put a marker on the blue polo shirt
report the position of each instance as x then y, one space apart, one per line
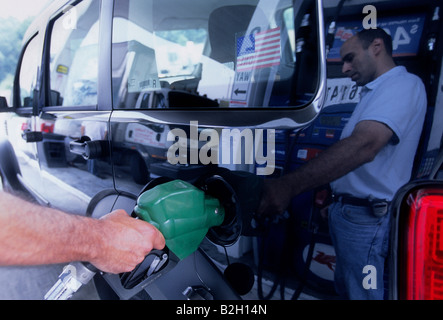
397 99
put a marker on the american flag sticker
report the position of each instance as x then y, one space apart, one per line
259 50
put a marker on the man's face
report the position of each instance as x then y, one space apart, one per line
358 63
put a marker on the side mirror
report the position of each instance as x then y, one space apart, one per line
3 105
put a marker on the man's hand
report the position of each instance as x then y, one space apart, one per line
34 235
124 242
367 139
276 196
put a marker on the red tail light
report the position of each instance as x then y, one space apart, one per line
47 128
423 248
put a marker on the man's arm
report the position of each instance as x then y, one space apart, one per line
35 235
367 139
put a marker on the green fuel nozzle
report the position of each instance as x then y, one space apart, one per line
182 212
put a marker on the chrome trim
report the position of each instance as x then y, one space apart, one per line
32 191
320 98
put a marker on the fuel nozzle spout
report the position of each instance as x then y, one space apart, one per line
183 214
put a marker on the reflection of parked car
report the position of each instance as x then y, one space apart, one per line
137 146
163 98
135 70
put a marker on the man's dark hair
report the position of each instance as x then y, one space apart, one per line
367 36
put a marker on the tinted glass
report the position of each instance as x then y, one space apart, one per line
74 56
203 53
29 71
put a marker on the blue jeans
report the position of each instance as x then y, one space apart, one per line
361 243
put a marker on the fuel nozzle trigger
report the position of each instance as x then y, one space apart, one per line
156 264
153 263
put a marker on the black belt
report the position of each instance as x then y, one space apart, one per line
379 207
353 201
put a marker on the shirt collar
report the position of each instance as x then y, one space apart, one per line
375 83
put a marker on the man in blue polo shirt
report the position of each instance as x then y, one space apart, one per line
372 160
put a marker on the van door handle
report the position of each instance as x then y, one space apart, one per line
89 149
32 136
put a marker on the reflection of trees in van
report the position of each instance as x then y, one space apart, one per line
11 35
